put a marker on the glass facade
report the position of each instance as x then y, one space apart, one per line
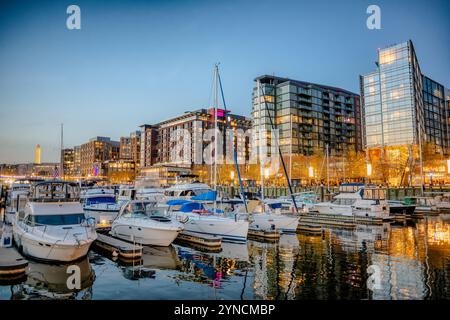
404 106
435 114
392 106
308 116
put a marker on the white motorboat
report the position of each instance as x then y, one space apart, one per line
54 227
16 200
142 221
100 204
186 191
355 199
198 219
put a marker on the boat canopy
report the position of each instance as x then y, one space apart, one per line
191 206
207 196
177 202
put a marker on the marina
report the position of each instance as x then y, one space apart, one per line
297 266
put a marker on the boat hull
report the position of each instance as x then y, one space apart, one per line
228 229
144 235
44 251
282 223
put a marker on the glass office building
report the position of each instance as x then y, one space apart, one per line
400 105
308 116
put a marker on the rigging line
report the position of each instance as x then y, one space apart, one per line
279 150
232 145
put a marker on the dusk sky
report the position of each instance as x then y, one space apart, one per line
136 62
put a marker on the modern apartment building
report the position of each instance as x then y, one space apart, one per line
125 148
95 152
68 158
309 117
77 160
182 140
405 107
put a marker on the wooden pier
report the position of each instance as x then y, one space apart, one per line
12 264
263 235
203 242
118 247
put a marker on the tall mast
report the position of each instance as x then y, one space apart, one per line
261 164
290 151
216 104
62 155
328 168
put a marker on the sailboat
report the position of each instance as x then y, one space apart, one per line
196 216
264 219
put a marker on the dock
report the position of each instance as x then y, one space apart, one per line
340 219
12 264
321 222
118 247
200 241
309 227
263 235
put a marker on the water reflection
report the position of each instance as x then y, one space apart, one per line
413 260
45 281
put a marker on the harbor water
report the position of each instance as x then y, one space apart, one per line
409 260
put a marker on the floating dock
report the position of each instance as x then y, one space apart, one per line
321 222
264 235
309 227
118 247
200 241
335 218
12 264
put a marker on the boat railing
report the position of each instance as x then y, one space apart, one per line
31 228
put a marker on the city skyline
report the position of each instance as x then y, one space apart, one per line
111 80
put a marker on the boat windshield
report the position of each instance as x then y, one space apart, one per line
344 202
103 199
57 220
140 210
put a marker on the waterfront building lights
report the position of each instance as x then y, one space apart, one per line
266 173
311 172
448 166
369 169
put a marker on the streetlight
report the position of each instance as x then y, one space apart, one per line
311 172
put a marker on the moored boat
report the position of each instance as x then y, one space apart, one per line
54 226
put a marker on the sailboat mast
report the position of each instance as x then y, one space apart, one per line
290 152
216 103
328 167
261 164
61 160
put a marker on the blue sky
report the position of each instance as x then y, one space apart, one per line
136 62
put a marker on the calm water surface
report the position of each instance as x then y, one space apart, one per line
413 261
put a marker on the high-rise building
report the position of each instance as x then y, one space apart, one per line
125 148
149 146
95 152
68 157
405 107
136 147
77 160
308 116
181 141
37 155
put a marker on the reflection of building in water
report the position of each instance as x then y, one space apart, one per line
207 268
45 281
274 268
416 265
